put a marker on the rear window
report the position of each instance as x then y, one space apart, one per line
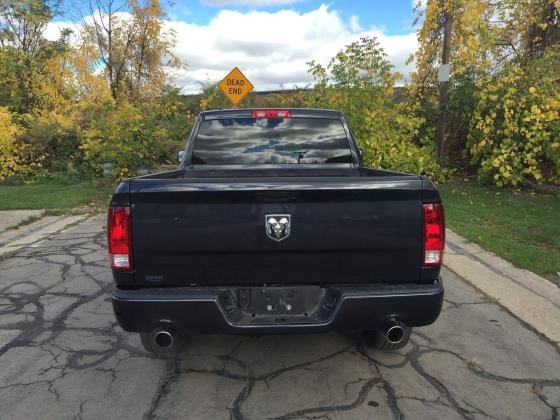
245 141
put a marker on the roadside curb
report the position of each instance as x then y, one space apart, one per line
531 298
11 219
13 240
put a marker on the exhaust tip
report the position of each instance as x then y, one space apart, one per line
395 334
163 339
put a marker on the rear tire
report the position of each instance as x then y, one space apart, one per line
377 339
150 345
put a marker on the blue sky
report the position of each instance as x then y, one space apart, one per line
271 41
395 17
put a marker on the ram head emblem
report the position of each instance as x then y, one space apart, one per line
277 226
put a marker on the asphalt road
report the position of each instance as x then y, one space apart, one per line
63 356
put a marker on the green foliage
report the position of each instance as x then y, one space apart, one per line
460 107
213 98
65 114
24 52
173 113
120 135
174 120
515 130
294 98
131 137
388 143
55 137
359 78
502 111
359 81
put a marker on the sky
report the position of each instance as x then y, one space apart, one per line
272 40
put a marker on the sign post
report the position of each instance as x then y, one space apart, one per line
235 86
443 78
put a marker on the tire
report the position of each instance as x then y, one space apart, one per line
377 339
150 346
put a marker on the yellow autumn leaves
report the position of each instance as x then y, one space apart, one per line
515 130
14 157
503 111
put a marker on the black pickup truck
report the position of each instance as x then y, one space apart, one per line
271 224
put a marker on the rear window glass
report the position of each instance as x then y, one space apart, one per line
245 141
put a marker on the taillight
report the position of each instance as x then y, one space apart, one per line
434 234
271 113
118 237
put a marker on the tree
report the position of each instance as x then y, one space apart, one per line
129 40
500 116
471 32
526 29
471 35
357 78
360 82
10 156
24 51
515 127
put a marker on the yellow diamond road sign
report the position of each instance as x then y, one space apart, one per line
235 86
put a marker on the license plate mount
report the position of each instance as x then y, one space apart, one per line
280 300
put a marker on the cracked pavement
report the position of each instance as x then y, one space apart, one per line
62 355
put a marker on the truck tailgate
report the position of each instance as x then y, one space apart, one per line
212 231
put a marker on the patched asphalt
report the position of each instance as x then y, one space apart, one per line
63 356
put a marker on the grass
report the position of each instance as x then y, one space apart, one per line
521 226
56 196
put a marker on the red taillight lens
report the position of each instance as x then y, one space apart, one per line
271 113
118 237
434 234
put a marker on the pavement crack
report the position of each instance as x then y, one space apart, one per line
236 411
414 357
80 410
361 397
169 376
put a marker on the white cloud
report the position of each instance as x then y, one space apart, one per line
355 24
272 48
254 3
54 29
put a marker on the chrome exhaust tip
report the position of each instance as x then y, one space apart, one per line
394 334
164 339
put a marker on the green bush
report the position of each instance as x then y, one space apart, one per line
131 137
18 161
359 81
388 143
55 137
119 135
174 121
515 130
